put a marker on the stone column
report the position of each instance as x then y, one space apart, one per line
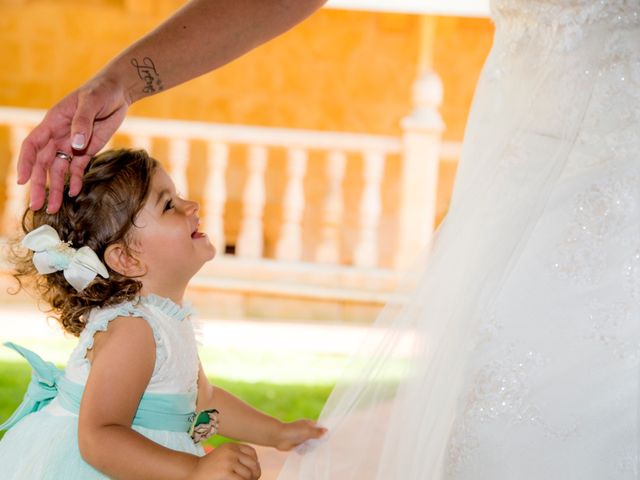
421 151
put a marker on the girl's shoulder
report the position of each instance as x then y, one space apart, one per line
171 326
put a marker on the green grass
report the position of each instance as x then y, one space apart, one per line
286 402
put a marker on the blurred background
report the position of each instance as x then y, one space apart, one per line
322 162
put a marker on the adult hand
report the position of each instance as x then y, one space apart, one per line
200 37
230 461
80 124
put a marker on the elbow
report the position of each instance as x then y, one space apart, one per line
89 447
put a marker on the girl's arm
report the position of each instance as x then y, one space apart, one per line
198 38
242 422
122 361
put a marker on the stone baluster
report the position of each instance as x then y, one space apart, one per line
419 174
422 140
142 142
16 199
366 250
178 161
215 193
250 239
329 247
289 246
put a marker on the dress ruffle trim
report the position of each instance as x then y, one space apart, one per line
168 306
104 316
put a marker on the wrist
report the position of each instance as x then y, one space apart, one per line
277 433
121 76
191 467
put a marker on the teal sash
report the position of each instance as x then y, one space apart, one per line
157 411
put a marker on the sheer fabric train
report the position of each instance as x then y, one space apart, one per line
517 341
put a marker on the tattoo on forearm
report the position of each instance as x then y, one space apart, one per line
148 74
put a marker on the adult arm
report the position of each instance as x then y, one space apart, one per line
202 36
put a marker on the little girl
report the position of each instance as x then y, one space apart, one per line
134 402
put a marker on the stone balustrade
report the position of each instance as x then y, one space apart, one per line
372 152
279 199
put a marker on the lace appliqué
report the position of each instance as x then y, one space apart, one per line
607 326
600 215
501 392
561 25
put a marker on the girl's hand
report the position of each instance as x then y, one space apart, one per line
293 434
230 461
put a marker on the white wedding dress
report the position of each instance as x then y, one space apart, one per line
518 340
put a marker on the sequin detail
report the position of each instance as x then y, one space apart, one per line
561 25
501 392
600 215
609 326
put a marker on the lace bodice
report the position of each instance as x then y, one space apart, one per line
566 21
176 367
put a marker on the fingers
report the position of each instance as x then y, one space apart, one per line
78 164
43 159
249 463
31 145
247 450
82 122
243 472
57 171
238 460
26 160
318 432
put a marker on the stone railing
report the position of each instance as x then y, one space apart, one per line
395 180
290 201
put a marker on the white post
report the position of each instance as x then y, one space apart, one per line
366 251
141 142
329 248
422 140
15 203
289 246
250 240
215 193
419 176
178 161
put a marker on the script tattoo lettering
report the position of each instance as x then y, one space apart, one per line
148 74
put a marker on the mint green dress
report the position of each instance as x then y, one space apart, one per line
41 441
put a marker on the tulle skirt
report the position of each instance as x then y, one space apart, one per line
44 446
515 352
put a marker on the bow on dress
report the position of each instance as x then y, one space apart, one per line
41 390
79 267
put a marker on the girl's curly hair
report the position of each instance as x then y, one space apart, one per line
115 187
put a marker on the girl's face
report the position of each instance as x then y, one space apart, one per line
166 239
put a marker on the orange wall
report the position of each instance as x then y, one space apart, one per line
340 70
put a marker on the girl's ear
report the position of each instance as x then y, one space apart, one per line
118 258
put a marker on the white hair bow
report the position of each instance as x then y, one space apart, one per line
80 266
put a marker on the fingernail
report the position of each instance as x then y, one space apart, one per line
78 141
